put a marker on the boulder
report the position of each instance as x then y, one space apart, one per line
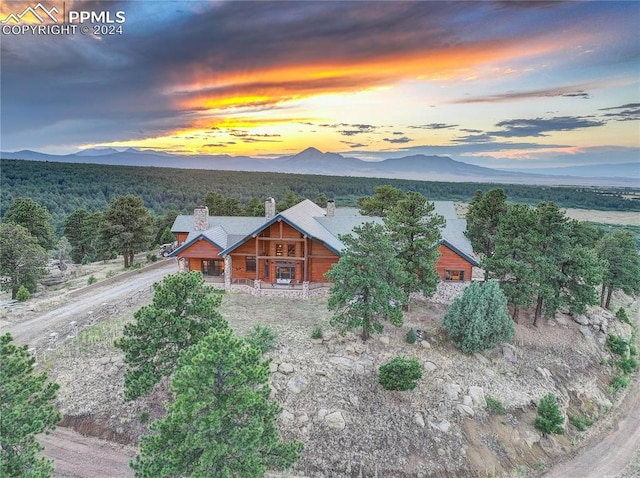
335 420
430 367
465 410
285 368
581 319
287 418
452 390
443 426
477 395
296 384
418 419
531 437
586 331
509 353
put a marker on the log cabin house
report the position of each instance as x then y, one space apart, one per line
295 247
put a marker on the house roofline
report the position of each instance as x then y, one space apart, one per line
472 260
186 245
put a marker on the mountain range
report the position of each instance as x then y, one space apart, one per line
313 161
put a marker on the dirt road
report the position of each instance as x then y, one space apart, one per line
38 327
78 456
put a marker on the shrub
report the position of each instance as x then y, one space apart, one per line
400 374
151 257
617 383
549 419
580 422
262 337
144 417
622 316
411 336
23 294
316 333
479 320
617 345
627 365
91 280
495 406
86 260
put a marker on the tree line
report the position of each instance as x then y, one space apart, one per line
63 188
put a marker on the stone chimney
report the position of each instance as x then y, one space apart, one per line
331 208
269 208
201 218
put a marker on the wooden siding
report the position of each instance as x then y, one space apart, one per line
181 237
201 249
451 260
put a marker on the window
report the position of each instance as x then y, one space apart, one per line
453 275
279 249
291 250
285 271
250 263
212 267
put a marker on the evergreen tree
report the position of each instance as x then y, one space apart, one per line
367 282
290 200
27 408
167 236
22 260
622 270
549 419
34 218
220 205
415 232
515 256
483 216
222 423
479 320
75 232
321 200
127 227
254 208
383 199
163 223
183 310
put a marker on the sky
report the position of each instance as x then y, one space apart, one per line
500 84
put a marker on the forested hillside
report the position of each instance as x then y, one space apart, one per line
63 187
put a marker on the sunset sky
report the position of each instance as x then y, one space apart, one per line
501 84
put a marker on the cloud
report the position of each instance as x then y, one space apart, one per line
359 129
404 139
434 126
539 127
352 145
567 92
628 112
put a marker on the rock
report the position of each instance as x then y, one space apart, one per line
467 400
335 420
354 400
544 372
285 368
418 419
317 341
287 418
296 384
465 410
586 331
303 418
581 319
561 319
531 437
443 426
342 362
509 353
104 360
322 413
384 339
477 395
273 367
430 367
425 344
452 390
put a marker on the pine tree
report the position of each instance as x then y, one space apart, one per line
622 270
127 227
415 232
367 282
22 260
383 199
75 232
34 218
479 320
549 419
223 422
27 408
183 310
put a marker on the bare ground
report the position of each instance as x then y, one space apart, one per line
293 320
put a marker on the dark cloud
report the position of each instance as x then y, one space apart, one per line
359 129
352 145
539 127
402 140
568 92
434 126
628 112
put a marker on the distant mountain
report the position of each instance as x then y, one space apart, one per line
313 161
619 170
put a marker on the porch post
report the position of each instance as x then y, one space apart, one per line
305 276
227 273
257 260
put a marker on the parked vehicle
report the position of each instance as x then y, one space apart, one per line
168 248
